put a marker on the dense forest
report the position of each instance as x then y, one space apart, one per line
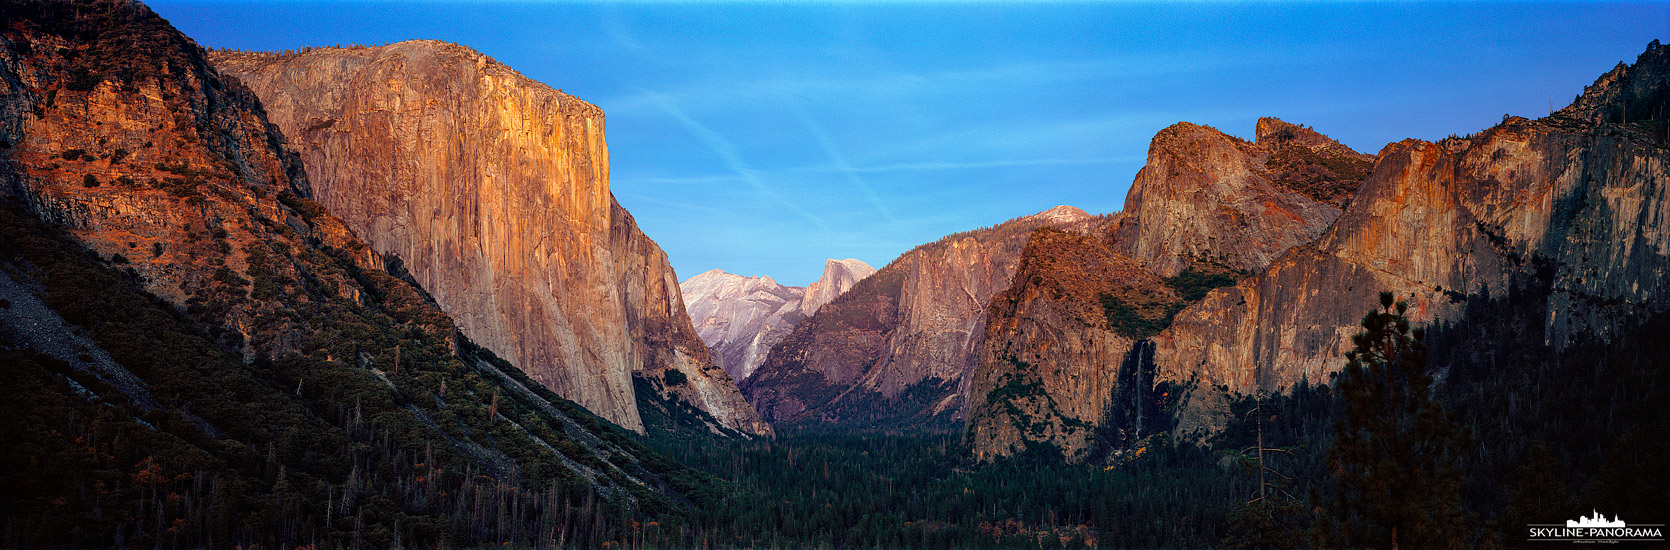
1554 435
184 444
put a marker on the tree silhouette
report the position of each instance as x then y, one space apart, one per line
1396 451
1268 520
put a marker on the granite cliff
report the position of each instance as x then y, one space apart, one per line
898 348
1070 336
838 277
180 316
741 318
145 153
1574 203
493 191
1577 200
1052 355
1205 195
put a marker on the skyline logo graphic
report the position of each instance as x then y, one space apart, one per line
1597 521
1596 528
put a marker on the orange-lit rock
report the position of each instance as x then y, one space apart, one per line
1055 365
494 191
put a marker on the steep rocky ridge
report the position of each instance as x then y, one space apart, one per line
898 348
1206 195
144 152
1052 354
838 277
1575 202
1069 337
493 190
1578 198
741 318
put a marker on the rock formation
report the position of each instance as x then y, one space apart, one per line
493 190
146 153
1205 195
1578 198
741 318
158 234
898 348
1052 355
1069 336
1576 201
838 277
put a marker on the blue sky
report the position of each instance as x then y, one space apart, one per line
761 138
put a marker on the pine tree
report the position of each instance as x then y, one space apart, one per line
1268 520
1396 451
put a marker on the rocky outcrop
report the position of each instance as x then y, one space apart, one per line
1578 199
838 277
741 318
493 190
1064 215
1300 159
1066 359
900 346
1052 355
150 157
1575 203
1205 195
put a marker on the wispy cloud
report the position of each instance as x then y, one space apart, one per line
685 206
733 160
722 86
980 164
839 161
619 31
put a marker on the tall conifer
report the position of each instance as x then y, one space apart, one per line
1396 451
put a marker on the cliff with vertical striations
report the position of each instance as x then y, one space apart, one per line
493 190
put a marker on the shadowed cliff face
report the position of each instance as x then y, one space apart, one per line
741 318
898 348
1061 343
494 192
